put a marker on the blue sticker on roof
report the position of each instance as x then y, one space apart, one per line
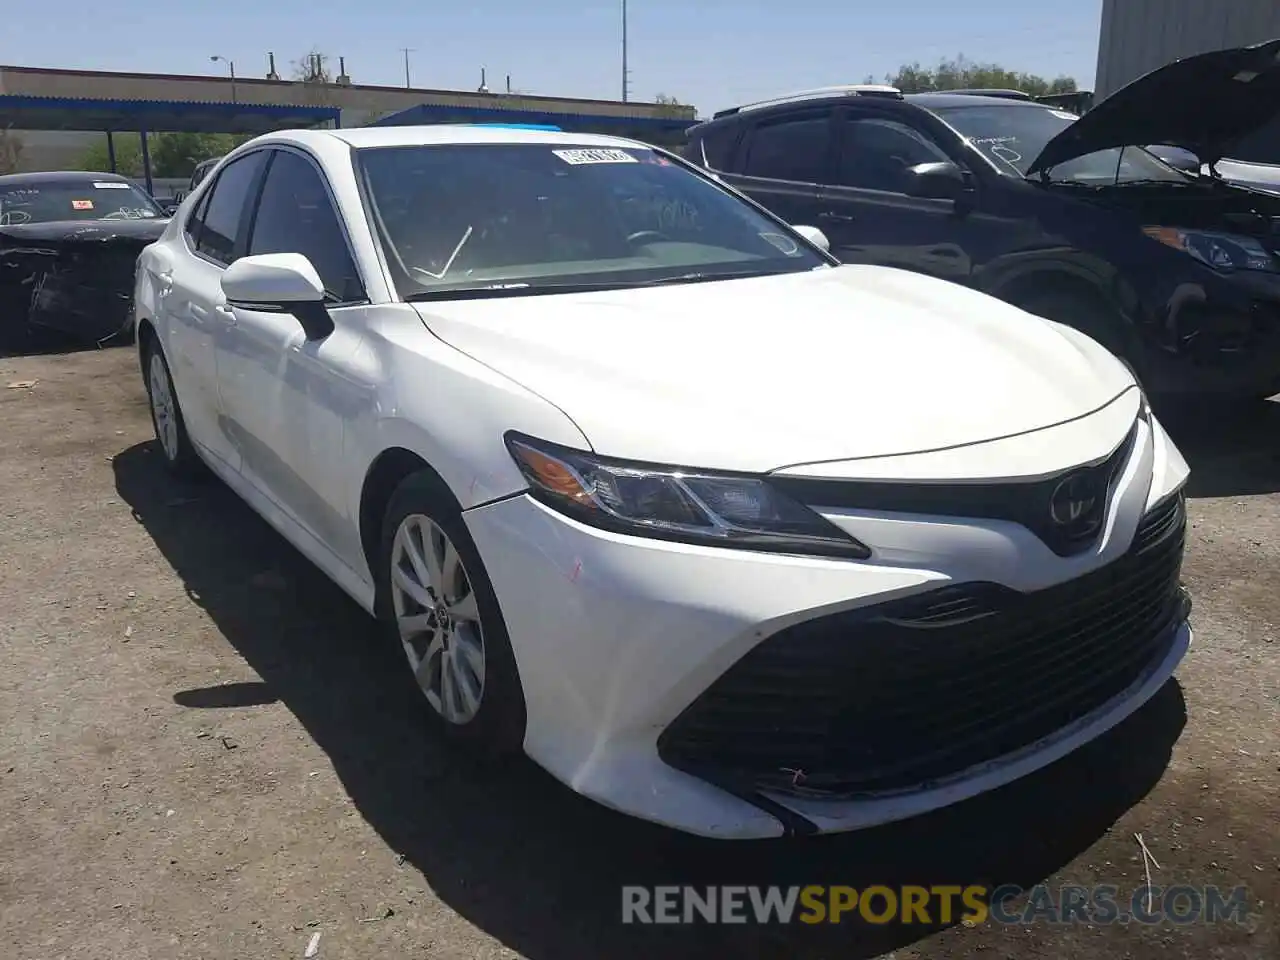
519 126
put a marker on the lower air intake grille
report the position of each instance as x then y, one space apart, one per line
923 688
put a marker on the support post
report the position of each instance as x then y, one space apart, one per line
111 150
146 163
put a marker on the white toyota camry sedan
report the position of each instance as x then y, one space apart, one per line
642 482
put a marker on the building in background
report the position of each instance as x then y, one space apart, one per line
662 123
1138 36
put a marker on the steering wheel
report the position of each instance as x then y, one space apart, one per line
647 235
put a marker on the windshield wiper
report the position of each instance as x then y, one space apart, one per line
1150 181
525 289
699 277
509 289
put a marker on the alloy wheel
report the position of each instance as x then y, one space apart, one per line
438 619
163 409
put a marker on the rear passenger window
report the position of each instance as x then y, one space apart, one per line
713 149
793 149
296 215
220 223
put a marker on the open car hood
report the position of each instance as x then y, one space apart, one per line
1202 104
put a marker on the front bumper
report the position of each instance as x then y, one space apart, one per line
619 640
1217 337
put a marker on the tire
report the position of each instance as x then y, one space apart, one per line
180 456
449 628
1089 314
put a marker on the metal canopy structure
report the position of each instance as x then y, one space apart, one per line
23 112
428 113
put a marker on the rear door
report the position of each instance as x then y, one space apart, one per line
782 160
213 238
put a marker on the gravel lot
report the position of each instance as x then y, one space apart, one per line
204 753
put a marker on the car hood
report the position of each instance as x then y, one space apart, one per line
87 231
1202 104
756 374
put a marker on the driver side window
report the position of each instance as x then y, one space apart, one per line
296 215
877 152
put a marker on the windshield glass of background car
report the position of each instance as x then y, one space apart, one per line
478 215
46 201
1013 136
1258 146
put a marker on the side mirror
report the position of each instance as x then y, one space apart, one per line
1176 157
940 180
279 283
170 207
814 236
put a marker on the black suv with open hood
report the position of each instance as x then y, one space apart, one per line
1068 217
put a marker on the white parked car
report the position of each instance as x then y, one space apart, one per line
723 534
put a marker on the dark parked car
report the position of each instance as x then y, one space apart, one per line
68 246
1063 216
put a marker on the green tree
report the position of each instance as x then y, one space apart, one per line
672 107
172 154
963 73
128 155
176 154
10 152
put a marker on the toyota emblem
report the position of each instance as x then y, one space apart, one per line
1075 505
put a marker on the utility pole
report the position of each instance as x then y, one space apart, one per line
626 78
406 51
231 65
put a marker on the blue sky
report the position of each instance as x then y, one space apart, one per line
711 53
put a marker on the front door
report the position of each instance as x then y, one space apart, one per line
870 217
284 395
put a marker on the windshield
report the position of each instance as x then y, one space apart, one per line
1013 136
46 201
527 216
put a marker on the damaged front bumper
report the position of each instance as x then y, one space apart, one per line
72 279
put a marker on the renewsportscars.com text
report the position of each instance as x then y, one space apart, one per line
973 904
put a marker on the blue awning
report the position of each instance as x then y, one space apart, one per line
23 112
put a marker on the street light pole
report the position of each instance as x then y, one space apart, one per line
231 65
625 79
406 51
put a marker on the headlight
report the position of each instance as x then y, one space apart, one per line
670 503
1222 251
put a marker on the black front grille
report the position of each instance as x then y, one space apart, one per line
1029 503
923 688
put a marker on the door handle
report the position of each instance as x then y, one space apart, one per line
832 215
197 311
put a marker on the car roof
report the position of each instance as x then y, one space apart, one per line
940 101
455 134
52 176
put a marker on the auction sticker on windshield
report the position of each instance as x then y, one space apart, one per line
595 156
81 204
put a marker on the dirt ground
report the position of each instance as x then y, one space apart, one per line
205 754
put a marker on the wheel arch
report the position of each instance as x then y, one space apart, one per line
387 471
145 336
1026 288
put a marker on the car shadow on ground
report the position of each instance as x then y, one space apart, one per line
1232 449
522 857
46 343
